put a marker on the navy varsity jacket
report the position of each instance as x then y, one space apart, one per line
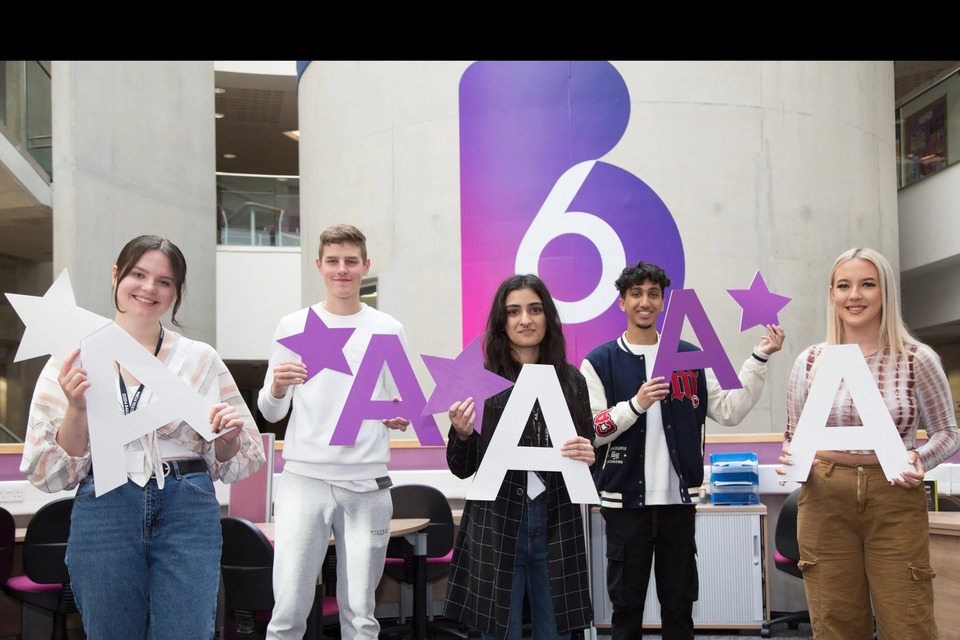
684 410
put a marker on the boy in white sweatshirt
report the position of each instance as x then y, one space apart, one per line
327 489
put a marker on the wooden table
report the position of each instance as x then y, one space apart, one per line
414 530
398 527
945 559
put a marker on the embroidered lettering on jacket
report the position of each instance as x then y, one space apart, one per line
604 424
616 455
684 385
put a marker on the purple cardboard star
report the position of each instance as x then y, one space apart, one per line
319 346
760 307
461 378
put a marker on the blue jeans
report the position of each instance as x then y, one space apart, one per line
145 563
530 576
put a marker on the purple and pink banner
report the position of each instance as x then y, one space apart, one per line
536 198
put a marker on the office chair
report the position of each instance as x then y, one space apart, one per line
45 583
948 502
8 534
246 566
786 555
421 501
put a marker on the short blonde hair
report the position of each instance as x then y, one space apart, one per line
893 333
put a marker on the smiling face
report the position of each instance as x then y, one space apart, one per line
343 269
147 290
643 304
526 324
856 296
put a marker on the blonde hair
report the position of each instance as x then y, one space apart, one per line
893 333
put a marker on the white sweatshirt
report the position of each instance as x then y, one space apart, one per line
317 404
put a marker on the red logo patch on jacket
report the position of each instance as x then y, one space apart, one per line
684 385
603 423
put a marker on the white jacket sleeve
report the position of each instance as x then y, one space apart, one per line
608 422
730 406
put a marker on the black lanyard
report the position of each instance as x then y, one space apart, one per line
128 404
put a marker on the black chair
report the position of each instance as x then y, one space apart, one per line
421 501
948 502
8 538
45 583
786 555
246 566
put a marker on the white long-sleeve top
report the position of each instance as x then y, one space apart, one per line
316 405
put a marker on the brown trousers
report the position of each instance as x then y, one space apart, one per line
864 553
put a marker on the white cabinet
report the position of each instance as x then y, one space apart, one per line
731 544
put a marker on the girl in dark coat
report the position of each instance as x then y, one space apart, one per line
529 542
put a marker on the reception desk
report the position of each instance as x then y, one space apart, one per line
945 559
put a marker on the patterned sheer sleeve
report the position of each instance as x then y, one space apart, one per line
797 392
251 456
45 463
935 403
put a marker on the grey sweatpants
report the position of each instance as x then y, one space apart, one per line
307 510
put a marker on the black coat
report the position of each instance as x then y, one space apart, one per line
481 572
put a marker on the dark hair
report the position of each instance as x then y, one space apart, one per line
340 233
637 274
134 250
498 351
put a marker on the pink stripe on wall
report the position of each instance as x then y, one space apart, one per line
432 458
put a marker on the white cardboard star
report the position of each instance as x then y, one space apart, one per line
55 325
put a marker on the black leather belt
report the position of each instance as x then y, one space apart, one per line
183 467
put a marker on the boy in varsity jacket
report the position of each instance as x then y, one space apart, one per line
650 438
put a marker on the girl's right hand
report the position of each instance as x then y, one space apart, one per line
786 461
462 416
73 380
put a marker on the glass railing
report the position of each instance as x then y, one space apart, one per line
7 436
256 210
928 131
25 109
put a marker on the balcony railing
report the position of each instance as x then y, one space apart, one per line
25 109
928 131
261 211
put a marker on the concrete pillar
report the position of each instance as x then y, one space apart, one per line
135 154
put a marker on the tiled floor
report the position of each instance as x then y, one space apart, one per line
781 631
803 632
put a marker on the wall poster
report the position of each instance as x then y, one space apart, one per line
925 140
